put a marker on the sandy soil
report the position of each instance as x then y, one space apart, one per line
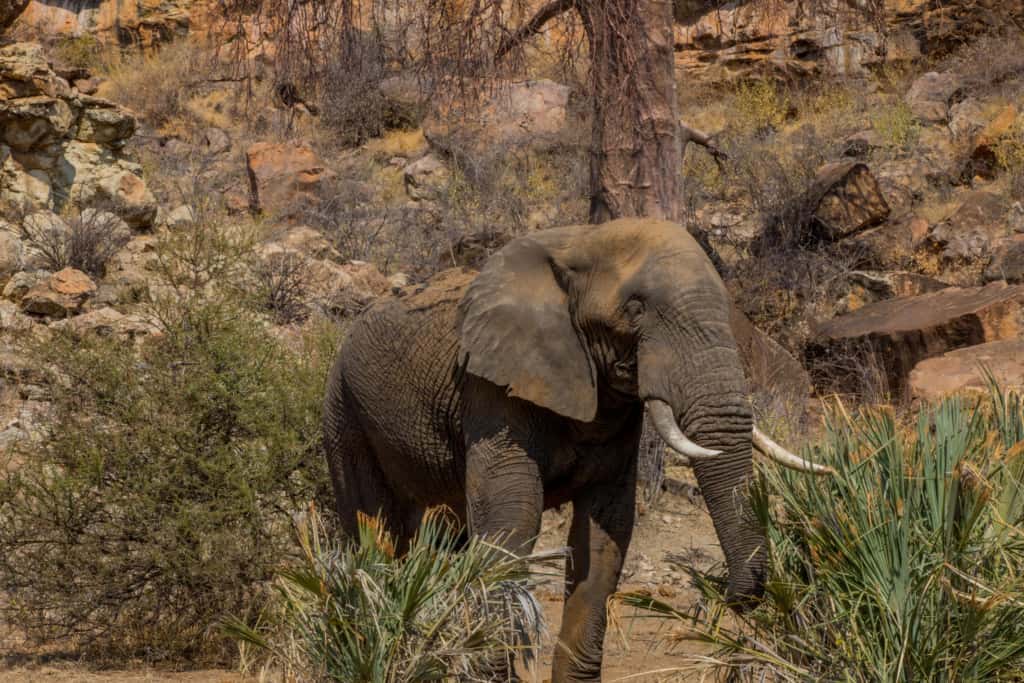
677 527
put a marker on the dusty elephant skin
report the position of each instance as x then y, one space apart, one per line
523 388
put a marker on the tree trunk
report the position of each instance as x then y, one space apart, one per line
636 155
636 152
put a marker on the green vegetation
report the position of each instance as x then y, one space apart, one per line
761 105
82 52
1010 156
163 493
898 126
447 609
905 566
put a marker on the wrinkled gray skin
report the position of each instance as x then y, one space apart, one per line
525 391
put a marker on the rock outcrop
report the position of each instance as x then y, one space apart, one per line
133 22
967 368
281 175
897 334
58 146
719 41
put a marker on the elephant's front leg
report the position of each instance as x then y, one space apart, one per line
602 526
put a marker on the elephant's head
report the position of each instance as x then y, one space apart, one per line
630 309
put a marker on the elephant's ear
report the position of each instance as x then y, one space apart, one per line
515 328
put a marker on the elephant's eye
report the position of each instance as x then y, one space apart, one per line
634 309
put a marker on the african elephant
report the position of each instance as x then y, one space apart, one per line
523 387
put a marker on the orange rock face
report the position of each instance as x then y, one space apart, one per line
282 174
139 22
966 368
60 295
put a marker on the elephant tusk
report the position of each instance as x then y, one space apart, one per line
665 423
784 457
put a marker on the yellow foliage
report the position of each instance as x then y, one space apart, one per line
405 143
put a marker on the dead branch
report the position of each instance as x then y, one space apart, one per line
691 134
533 26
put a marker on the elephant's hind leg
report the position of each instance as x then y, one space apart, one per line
359 484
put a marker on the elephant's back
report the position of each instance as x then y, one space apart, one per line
399 362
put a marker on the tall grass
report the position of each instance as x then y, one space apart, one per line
905 566
448 608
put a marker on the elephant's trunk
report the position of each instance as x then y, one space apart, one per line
707 393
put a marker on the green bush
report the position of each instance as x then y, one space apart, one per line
898 126
907 565
447 609
163 495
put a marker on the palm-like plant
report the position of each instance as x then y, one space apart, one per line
449 608
907 565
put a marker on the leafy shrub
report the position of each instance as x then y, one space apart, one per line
898 126
761 105
86 241
1010 157
904 566
81 51
447 609
162 497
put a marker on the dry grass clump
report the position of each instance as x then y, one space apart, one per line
157 84
906 565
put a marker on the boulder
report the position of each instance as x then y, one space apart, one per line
180 217
215 141
426 178
12 319
25 72
21 283
966 119
968 368
890 246
104 122
310 242
32 122
897 334
983 161
101 322
848 200
969 233
12 253
283 174
1007 261
931 95
866 287
60 295
108 322
520 115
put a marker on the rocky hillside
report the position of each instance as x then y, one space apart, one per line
869 221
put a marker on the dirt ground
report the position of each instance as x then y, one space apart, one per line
678 526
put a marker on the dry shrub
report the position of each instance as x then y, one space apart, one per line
282 282
85 240
990 64
157 83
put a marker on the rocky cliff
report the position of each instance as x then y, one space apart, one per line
721 40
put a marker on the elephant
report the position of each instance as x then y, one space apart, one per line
523 387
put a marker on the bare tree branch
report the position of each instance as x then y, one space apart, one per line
691 134
533 26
